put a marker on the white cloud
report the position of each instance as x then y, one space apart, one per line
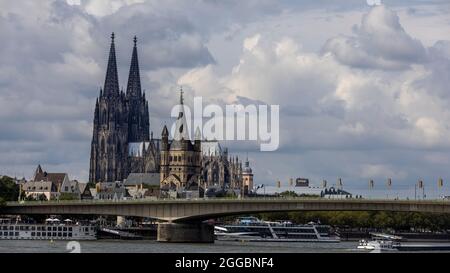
379 42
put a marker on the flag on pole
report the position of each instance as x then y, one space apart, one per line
324 183
420 184
340 182
279 184
389 182
441 182
371 184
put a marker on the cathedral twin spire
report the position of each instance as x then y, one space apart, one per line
111 87
134 78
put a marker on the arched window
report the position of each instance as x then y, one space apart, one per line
104 119
103 146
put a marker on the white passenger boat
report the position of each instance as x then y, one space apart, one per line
255 230
380 242
53 229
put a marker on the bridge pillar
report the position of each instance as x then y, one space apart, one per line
185 233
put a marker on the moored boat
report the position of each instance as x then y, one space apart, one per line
53 229
256 230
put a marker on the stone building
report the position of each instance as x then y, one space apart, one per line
247 178
180 158
121 142
218 169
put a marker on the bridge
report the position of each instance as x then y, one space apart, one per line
187 214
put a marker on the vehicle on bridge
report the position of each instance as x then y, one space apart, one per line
256 230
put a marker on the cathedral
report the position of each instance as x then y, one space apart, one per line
122 143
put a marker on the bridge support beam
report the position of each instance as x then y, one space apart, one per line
185 233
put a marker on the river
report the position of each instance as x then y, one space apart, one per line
148 246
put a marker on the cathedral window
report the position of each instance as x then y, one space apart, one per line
102 146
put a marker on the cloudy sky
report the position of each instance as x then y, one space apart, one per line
364 91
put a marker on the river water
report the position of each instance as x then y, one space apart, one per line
148 246
151 246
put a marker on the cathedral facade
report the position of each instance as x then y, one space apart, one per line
122 143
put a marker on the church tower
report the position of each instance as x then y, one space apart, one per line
138 119
247 178
110 131
180 159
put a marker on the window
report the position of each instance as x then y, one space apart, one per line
66 188
33 234
38 234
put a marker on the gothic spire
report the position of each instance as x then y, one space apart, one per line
134 79
111 87
181 131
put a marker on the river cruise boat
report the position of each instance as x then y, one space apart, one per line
53 229
256 230
381 242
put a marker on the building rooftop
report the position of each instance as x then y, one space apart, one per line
142 178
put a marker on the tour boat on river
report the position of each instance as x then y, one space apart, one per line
53 229
255 230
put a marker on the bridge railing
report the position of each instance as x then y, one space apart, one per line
224 200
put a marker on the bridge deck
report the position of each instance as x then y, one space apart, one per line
199 209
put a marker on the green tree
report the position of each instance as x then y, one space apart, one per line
9 191
68 196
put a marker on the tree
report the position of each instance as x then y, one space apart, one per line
9 191
68 196
42 197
